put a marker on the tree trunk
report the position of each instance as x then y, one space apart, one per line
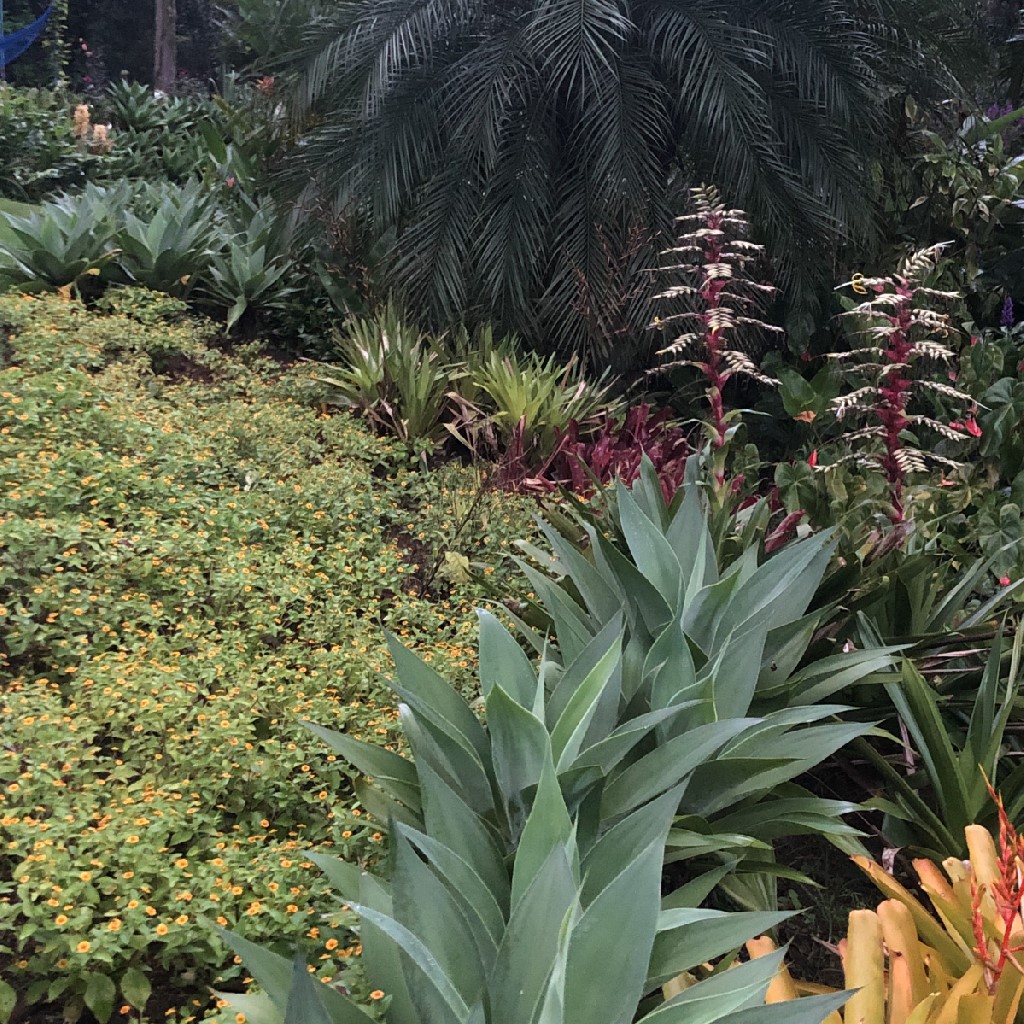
165 45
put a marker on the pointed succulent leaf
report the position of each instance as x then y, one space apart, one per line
615 931
503 662
427 908
451 821
466 885
722 995
600 598
304 1005
666 766
653 555
520 745
624 842
547 828
273 973
689 937
574 721
423 688
429 985
529 951
608 753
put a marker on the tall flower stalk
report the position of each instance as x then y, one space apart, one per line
902 330
721 304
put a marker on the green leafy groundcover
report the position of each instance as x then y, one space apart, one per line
192 559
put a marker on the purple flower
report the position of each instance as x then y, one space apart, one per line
1006 318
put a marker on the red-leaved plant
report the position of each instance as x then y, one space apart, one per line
583 462
617 449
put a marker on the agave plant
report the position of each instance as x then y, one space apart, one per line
730 634
525 867
60 242
168 244
250 272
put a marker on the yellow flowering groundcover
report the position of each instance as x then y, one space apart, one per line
193 558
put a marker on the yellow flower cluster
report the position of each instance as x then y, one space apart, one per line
189 569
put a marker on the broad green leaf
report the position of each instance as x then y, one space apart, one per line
601 599
689 538
100 993
425 906
345 876
436 744
422 688
452 822
570 621
8 999
722 995
689 937
530 947
616 932
607 754
136 988
624 842
572 725
731 677
428 974
257 1009
581 667
666 766
782 588
644 602
808 1010
466 885
653 555
273 973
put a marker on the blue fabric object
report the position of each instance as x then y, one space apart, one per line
14 45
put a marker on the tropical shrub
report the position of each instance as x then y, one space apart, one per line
928 808
158 138
616 449
39 152
394 374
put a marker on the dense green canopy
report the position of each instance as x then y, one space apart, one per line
530 156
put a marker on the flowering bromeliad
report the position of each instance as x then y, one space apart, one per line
902 330
713 255
1006 891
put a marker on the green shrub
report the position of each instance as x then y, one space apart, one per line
39 153
192 558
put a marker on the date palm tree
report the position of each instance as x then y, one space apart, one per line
529 157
